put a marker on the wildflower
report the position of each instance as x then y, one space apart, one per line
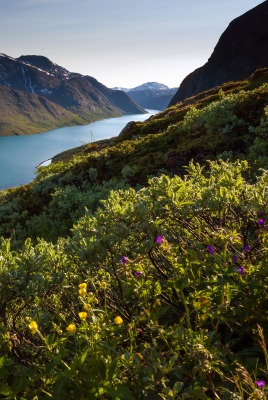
235 258
139 330
103 285
124 260
260 383
118 320
82 289
246 248
86 307
159 239
138 273
240 270
211 249
71 328
82 315
33 326
261 221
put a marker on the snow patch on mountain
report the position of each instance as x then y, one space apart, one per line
46 91
151 86
152 95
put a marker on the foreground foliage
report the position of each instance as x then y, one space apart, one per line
160 294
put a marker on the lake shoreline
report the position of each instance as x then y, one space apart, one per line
20 156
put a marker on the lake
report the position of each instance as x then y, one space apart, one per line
20 155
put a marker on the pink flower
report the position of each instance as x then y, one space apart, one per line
260 383
211 249
246 248
159 239
124 260
240 270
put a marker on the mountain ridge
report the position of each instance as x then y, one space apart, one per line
78 94
151 95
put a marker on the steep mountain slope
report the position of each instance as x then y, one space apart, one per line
151 95
81 95
29 113
241 49
222 121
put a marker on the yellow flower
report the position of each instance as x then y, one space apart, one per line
82 315
82 289
33 326
83 285
82 292
71 328
118 320
86 307
104 285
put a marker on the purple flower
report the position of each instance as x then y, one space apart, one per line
240 270
246 248
211 249
260 383
261 221
159 239
138 273
124 260
235 258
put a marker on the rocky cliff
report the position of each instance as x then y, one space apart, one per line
241 49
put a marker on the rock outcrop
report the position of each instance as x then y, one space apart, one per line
241 49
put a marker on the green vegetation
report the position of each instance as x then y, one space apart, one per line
128 271
23 113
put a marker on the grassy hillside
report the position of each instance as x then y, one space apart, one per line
128 271
219 122
229 122
34 114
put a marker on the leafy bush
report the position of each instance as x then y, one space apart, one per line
161 294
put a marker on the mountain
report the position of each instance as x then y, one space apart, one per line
241 49
151 95
29 113
78 94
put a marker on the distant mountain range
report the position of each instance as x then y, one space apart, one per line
241 49
38 94
151 95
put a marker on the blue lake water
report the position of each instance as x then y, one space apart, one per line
20 155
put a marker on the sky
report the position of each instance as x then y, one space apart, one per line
121 43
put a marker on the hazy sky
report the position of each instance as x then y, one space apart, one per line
119 42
